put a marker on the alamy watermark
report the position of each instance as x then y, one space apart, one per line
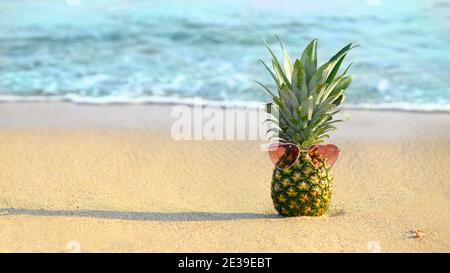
73 2
204 122
373 2
73 247
374 247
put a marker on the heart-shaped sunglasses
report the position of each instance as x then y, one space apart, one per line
284 155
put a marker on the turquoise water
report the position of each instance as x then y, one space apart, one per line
137 51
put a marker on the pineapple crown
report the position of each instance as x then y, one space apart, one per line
308 97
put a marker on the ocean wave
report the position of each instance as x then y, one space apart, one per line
114 100
170 51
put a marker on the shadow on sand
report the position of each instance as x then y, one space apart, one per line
140 216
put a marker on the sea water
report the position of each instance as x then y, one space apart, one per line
104 51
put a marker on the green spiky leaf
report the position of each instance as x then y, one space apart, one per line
267 89
271 73
287 64
298 81
309 59
308 96
277 65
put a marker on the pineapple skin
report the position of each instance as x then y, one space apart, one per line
303 189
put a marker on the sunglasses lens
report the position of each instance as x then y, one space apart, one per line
329 152
283 155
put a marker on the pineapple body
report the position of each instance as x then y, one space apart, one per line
304 111
303 189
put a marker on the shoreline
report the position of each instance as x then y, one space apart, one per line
363 125
390 107
112 179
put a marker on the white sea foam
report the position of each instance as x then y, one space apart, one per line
108 100
169 51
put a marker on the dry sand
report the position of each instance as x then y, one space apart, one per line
110 178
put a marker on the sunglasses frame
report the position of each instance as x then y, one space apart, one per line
298 156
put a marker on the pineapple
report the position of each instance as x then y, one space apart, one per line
303 110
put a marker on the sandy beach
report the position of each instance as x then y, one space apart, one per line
110 178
